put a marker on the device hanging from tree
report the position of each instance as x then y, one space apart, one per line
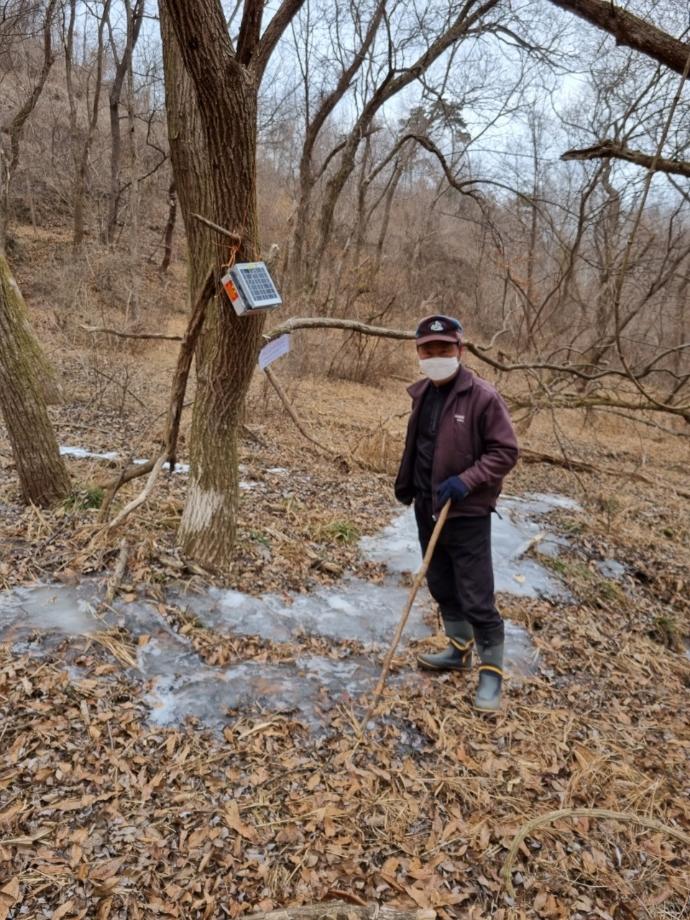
250 288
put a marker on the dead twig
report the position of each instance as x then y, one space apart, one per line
118 574
567 463
542 820
139 500
234 237
342 910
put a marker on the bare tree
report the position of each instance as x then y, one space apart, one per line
212 93
315 121
83 137
471 16
12 130
123 63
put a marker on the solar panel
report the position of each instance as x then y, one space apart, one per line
255 284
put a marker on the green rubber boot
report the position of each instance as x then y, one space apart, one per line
458 655
488 697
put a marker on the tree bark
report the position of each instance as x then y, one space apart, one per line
43 476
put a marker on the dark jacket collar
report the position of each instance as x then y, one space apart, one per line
463 381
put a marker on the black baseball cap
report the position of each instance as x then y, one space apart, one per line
439 328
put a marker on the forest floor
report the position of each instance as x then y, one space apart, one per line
105 814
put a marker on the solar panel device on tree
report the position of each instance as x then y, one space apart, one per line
250 288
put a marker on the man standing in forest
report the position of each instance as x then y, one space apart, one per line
460 444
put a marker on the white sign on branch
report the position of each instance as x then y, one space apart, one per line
274 350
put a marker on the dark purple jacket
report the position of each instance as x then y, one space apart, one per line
475 440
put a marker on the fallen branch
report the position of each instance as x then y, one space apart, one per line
623 816
184 364
103 330
580 466
339 910
118 573
480 352
536 456
177 391
598 402
273 380
141 497
324 322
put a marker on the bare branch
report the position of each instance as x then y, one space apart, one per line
235 237
274 30
250 30
631 31
609 149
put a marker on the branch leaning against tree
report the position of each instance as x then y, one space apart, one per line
177 394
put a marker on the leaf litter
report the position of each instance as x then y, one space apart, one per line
105 815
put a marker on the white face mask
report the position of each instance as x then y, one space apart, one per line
437 369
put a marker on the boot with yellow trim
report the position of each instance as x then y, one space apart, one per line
488 697
458 655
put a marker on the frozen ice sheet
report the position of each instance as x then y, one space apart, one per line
352 609
181 685
80 453
513 532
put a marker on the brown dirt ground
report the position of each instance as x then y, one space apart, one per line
103 816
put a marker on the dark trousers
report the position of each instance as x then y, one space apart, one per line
461 575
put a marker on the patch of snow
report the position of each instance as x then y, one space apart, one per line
80 453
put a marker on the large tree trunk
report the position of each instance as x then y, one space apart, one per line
211 100
43 477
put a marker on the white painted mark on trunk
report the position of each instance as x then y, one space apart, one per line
201 505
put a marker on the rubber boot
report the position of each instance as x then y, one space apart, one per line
458 655
488 697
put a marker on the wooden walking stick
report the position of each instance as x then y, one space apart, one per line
419 578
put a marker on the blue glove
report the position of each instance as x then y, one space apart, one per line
453 489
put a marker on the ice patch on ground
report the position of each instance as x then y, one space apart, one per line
81 453
179 684
514 530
